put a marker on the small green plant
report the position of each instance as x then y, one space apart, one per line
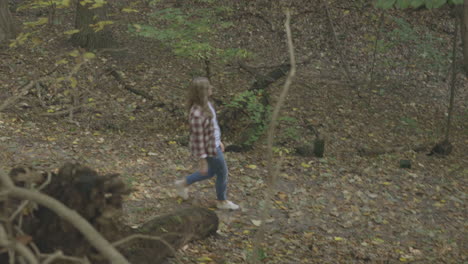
261 254
255 115
189 33
409 122
412 124
290 130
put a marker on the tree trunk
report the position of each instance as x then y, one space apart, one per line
464 35
7 27
99 198
88 37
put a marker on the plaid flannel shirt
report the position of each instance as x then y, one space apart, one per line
202 138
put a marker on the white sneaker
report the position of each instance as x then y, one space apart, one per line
227 205
181 189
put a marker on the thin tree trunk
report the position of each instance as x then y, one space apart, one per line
7 27
338 49
453 82
87 37
464 35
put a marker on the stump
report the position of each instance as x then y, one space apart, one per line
99 198
405 164
315 150
442 148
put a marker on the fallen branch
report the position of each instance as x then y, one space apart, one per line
74 109
11 100
120 80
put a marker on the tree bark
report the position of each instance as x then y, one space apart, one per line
177 229
7 26
464 35
87 37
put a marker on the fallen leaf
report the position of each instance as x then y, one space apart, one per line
378 241
256 222
203 259
282 195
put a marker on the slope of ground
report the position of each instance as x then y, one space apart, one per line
343 208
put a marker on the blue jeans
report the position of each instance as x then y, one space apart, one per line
216 166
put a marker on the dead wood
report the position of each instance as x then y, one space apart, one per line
127 87
175 229
99 199
376 151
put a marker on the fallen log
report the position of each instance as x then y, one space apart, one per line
99 199
173 231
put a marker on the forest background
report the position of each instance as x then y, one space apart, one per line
376 90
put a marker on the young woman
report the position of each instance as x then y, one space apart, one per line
205 144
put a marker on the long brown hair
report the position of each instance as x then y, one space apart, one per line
198 95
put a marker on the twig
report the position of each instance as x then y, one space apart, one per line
272 170
31 243
52 257
88 231
20 248
25 203
374 55
65 112
24 90
59 255
336 44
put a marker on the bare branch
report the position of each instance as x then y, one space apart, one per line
25 203
344 62
88 231
272 170
52 257
49 258
23 91
18 247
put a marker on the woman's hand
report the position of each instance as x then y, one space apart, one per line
203 164
221 145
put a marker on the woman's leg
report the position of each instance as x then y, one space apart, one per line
221 172
197 176
216 166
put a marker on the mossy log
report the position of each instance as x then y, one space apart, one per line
99 199
176 229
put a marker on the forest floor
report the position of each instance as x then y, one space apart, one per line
347 207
